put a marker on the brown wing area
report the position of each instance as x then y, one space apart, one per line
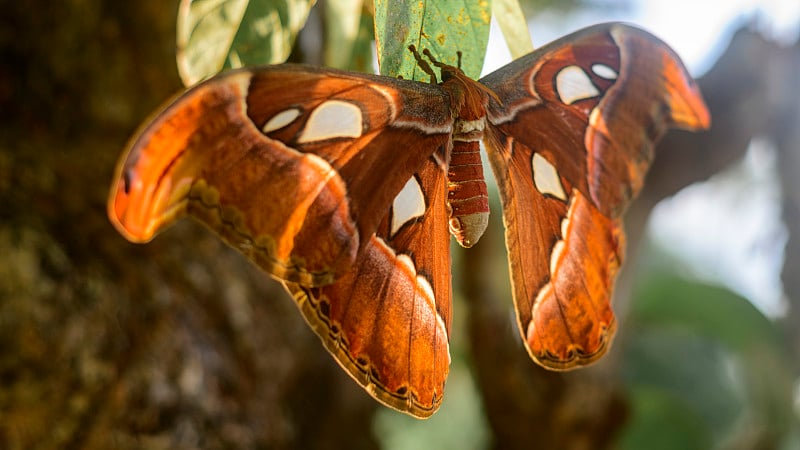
300 205
387 320
595 102
563 257
570 146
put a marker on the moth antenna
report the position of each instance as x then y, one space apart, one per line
435 62
424 64
446 69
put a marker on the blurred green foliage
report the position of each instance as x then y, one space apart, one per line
223 34
694 350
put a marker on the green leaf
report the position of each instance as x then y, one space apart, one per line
218 34
343 29
206 29
363 53
514 26
444 28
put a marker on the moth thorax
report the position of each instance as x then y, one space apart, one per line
469 130
467 197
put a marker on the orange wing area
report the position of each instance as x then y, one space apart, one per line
570 146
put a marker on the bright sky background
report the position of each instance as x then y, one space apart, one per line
698 30
726 230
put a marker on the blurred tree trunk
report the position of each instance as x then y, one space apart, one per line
184 344
181 343
785 128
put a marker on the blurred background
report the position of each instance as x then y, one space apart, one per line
182 343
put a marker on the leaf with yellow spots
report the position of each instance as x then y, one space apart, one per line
444 28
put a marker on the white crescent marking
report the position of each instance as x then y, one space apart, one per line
572 84
566 222
423 287
405 260
332 119
594 117
546 178
427 291
555 256
408 204
280 120
604 71
546 290
560 245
